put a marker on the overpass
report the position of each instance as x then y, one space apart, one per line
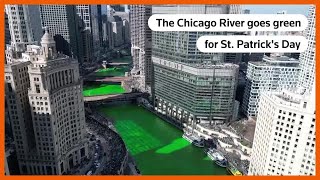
105 79
113 98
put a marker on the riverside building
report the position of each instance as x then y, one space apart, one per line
45 105
307 58
284 140
272 73
141 44
188 84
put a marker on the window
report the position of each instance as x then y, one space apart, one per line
9 87
37 88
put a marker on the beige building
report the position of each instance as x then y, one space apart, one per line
46 109
284 139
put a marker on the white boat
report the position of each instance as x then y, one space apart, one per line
193 139
217 157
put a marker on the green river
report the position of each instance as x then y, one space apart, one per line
158 147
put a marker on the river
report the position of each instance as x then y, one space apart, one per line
158 147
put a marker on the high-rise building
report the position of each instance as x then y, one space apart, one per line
96 19
284 140
67 27
7 30
91 17
45 105
307 58
107 33
126 31
23 28
189 84
117 30
141 46
274 72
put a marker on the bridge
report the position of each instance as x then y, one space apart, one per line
113 98
105 79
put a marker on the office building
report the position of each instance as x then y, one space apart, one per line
117 30
96 19
274 72
7 30
307 58
107 33
67 28
188 84
91 17
141 47
284 140
23 29
45 104
126 31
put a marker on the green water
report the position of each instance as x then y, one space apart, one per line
157 147
102 89
112 71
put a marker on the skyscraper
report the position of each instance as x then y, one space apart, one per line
7 30
23 29
96 21
141 46
270 74
284 140
307 58
68 29
189 84
46 109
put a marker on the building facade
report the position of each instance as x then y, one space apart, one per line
307 58
284 140
7 30
67 28
23 29
96 20
45 104
189 84
275 72
141 47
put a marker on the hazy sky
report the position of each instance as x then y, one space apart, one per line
273 9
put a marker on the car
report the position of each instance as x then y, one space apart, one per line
89 173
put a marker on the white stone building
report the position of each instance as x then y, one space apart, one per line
284 140
46 109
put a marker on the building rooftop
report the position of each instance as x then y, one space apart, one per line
276 60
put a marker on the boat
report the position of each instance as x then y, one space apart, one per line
196 141
231 169
217 157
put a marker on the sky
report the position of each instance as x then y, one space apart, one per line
273 9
